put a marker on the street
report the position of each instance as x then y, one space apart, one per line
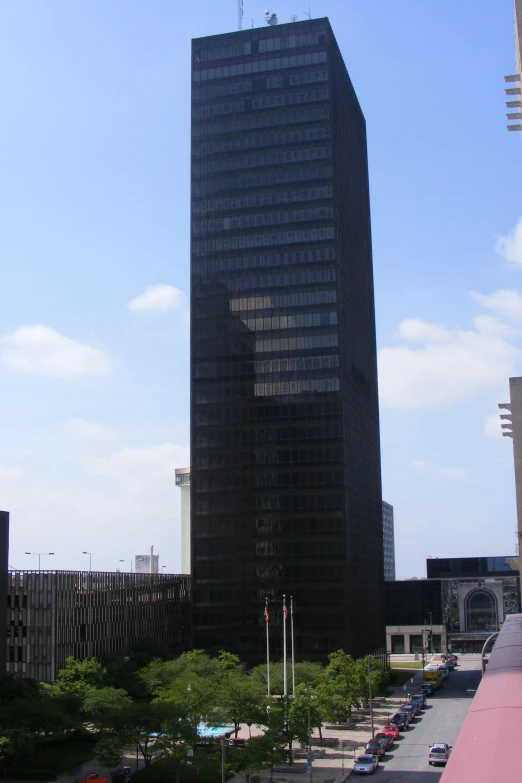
441 721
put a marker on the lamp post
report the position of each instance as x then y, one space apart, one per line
39 556
90 559
431 632
370 694
127 561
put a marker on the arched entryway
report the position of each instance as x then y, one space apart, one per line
481 610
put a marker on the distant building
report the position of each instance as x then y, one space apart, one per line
512 428
457 607
4 554
142 564
183 481
466 567
56 614
513 92
388 540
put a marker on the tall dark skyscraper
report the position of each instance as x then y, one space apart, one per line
4 554
286 484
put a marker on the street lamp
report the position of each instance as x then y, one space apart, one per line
127 561
39 555
90 558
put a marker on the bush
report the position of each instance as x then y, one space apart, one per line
25 773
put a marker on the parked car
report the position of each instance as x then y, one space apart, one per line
419 698
450 666
439 753
444 671
427 688
408 709
385 737
392 729
375 747
366 765
401 720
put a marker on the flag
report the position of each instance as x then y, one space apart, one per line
266 615
285 611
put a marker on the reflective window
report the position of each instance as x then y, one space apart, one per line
263 240
263 102
297 343
258 66
262 219
297 387
255 260
270 139
241 123
283 300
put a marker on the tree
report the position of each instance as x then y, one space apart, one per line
238 696
258 753
338 691
107 708
78 676
298 713
178 735
378 676
191 682
306 673
110 751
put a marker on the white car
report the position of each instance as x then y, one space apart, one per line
439 753
366 765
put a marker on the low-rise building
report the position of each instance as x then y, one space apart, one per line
52 615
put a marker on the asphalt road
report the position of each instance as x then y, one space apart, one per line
441 721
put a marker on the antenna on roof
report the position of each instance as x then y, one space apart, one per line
308 13
294 17
271 19
239 14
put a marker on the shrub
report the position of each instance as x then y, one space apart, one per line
24 773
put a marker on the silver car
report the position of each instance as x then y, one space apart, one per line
366 765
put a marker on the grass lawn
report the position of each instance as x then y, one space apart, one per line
406 665
57 758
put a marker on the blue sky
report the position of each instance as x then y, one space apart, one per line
94 214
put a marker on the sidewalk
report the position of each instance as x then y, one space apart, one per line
337 764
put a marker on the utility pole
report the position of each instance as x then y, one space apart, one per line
370 692
309 770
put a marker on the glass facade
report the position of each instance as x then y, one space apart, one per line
440 567
388 539
4 552
285 474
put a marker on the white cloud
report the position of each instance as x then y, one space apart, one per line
142 465
447 365
42 350
492 428
7 473
80 428
158 299
418 463
505 302
510 247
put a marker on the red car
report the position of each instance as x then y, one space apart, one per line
392 729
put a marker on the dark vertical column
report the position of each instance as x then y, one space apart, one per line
4 552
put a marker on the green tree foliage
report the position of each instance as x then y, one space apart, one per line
258 753
190 682
306 673
78 676
238 697
107 708
110 751
338 691
378 677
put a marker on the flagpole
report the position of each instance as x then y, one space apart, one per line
284 646
267 620
292 636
